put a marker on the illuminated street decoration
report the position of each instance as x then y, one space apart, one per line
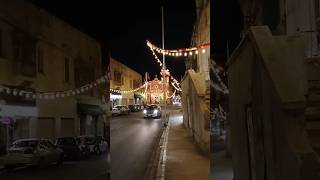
172 78
55 94
129 91
179 52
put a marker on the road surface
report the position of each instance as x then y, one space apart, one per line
92 168
132 141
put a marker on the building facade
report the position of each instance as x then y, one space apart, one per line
124 78
196 81
41 53
274 83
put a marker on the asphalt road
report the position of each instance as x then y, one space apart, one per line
92 168
132 141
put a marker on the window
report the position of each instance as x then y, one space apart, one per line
117 76
66 70
40 61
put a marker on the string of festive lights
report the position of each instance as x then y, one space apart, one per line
129 91
54 94
172 96
179 52
159 61
178 89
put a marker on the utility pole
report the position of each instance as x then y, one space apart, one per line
164 68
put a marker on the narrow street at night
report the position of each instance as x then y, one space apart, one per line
132 141
93 168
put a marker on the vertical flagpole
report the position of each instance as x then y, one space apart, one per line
163 67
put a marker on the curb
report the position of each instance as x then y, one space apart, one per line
156 168
160 175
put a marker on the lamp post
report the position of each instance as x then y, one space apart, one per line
163 68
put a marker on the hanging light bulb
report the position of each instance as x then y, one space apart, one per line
34 96
197 51
190 53
203 50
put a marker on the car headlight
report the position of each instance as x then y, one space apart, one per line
145 111
155 111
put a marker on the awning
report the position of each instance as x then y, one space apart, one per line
89 109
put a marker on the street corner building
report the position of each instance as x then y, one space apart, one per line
40 53
123 78
196 81
274 82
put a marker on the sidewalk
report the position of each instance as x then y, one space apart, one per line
184 160
221 166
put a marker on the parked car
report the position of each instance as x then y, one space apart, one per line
152 110
132 108
96 144
123 109
83 143
25 152
71 148
116 111
139 107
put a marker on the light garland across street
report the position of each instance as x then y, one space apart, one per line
172 78
54 94
129 91
179 52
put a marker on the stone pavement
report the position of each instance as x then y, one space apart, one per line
184 161
221 166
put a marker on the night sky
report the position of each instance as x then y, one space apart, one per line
124 26
225 28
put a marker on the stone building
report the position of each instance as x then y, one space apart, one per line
39 52
196 81
274 84
124 78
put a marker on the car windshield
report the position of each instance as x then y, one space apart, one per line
151 107
66 141
22 144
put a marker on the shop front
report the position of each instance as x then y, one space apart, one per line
91 119
15 123
115 99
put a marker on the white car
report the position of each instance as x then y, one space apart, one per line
116 111
34 151
152 110
123 109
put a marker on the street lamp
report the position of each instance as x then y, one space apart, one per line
163 68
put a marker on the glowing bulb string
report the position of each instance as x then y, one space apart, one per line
172 95
129 91
54 94
178 89
159 61
179 52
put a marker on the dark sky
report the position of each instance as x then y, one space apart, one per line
225 28
125 25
